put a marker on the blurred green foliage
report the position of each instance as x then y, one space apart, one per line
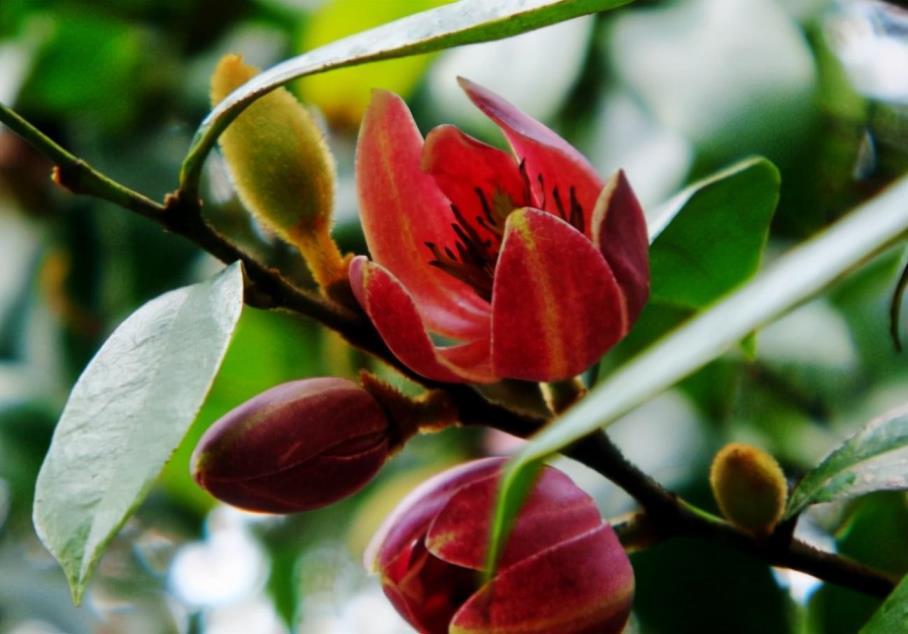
123 83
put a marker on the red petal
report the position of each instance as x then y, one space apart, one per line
582 586
545 153
619 229
556 510
394 314
411 518
461 164
556 307
401 209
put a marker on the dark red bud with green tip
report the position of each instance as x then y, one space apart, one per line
296 447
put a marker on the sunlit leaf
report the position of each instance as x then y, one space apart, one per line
126 415
873 459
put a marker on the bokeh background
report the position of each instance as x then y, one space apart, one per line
671 91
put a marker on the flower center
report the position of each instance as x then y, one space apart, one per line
474 255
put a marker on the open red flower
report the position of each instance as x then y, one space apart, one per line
528 263
563 569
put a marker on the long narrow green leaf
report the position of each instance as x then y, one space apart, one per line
873 459
127 414
793 279
463 22
892 617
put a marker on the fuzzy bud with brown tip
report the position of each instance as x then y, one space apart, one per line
282 170
749 487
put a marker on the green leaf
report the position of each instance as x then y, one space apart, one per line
125 416
794 278
873 459
464 22
892 617
710 238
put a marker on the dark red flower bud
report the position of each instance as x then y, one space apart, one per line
298 446
563 569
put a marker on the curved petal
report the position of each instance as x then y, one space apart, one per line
401 210
583 585
461 165
556 510
556 307
411 518
392 310
619 230
546 155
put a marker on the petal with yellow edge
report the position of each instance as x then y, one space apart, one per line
619 230
555 168
402 210
394 314
556 306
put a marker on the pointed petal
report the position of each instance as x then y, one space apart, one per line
461 164
555 511
545 154
393 312
411 518
556 307
584 585
402 209
619 230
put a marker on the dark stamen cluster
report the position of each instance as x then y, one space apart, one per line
474 256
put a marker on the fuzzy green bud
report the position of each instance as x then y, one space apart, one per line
749 487
282 169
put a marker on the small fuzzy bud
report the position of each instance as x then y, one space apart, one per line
298 446
749 487
282 169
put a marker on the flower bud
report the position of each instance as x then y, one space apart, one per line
298 446
562 570
749 487
282 169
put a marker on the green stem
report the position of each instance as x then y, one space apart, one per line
77 175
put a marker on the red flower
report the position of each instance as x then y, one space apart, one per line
531 265
563 569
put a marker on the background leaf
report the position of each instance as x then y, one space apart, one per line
794 278
874 459
710 237
705 241
892 617
464 22
125 416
